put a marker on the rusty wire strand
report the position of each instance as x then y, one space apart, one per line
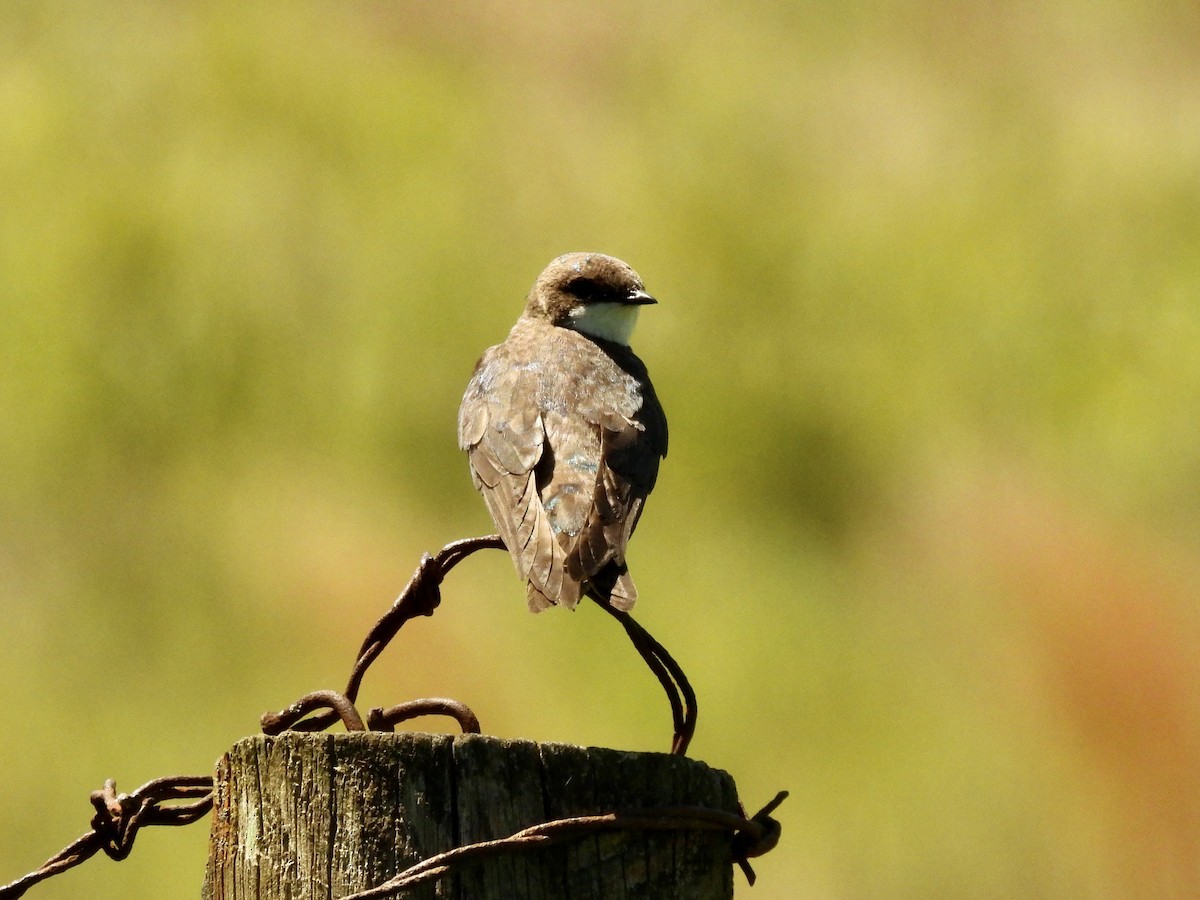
290 719
752 837
420 597
749 843
386 719
117 820
119 816
680 695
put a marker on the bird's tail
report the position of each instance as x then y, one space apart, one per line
613 584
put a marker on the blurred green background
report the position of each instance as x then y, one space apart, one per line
929 340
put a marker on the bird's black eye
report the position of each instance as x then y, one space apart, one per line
588 290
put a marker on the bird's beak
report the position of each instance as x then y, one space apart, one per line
639 298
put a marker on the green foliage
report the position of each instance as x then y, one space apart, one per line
927 339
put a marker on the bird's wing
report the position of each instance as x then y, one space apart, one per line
632 438
564 470
503 432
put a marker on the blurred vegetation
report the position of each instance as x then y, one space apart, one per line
929 341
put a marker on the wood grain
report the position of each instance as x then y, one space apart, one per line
322 816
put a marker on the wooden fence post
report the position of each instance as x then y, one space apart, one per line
327 815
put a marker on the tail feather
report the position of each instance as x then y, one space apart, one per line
614 585
536 599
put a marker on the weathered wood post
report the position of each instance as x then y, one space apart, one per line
324 816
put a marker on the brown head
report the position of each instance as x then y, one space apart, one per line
591 293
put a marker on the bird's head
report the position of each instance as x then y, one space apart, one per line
591 293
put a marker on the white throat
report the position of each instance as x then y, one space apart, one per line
607 321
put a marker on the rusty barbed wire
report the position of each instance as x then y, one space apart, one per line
420 597
751 838
378 718
387 719
117 820
680 695
119 816
292 718
760 836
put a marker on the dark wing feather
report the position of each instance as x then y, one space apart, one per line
502 431
564 437
632 432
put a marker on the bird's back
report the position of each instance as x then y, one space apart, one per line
564 436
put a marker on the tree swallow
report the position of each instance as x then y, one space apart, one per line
564 433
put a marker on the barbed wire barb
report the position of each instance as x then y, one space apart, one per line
117 820
182 799
752 837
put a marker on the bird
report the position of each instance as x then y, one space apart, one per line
564 433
